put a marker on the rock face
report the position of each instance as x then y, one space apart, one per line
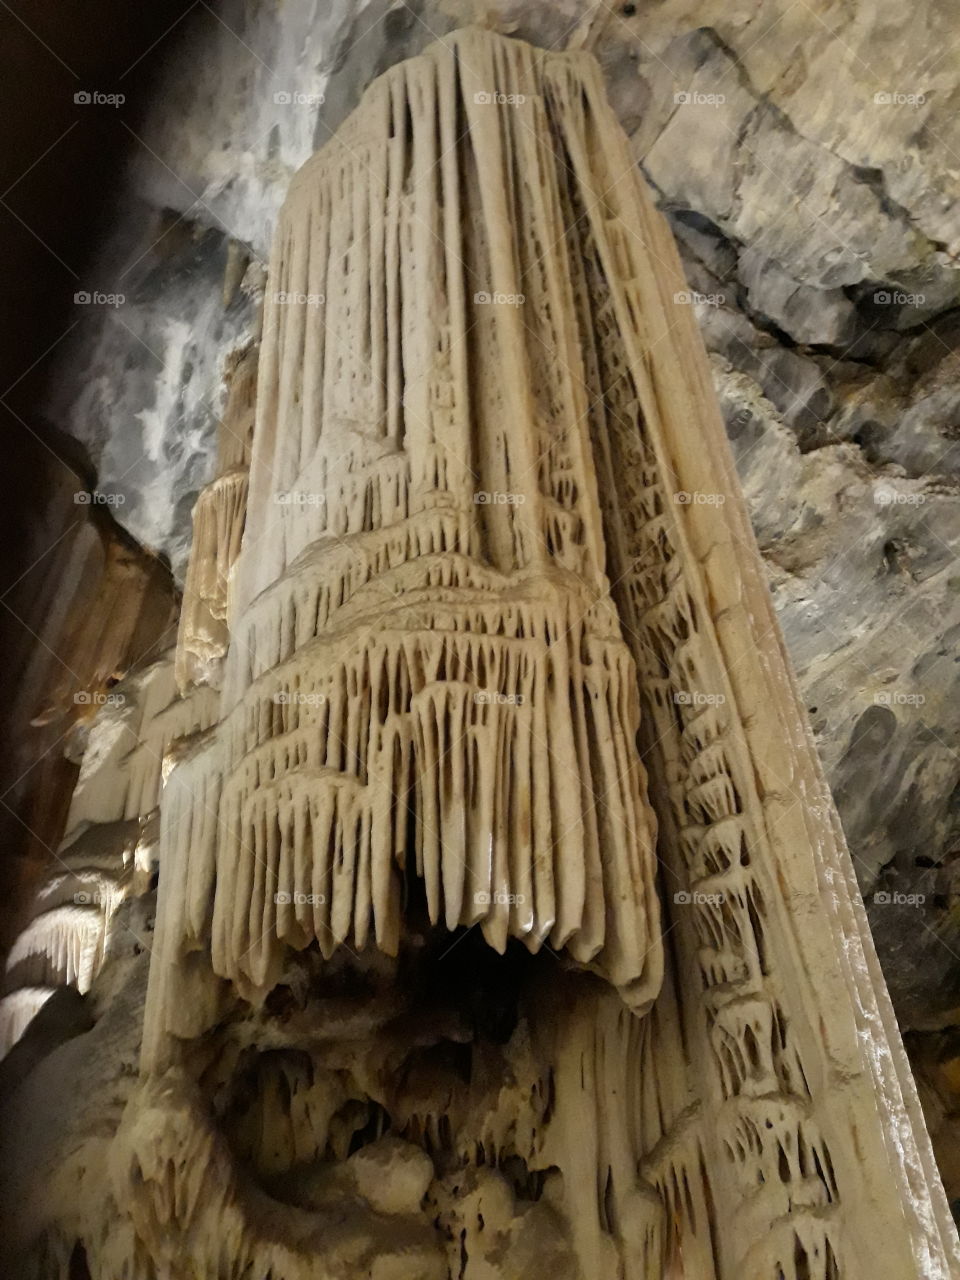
803 155
478 521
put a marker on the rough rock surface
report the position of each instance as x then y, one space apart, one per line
807 156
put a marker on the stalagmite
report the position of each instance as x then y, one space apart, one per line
505 927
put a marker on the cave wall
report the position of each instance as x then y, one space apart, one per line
805 156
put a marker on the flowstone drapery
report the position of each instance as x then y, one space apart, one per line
502 675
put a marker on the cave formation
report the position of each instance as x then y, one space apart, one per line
504 924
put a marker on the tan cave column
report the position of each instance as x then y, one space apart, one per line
502 664
218 519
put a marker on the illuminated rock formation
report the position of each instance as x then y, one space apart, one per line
217 529
500 655
109 852
422 621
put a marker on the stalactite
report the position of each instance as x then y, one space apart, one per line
421 619
107 855
218 521
17 1011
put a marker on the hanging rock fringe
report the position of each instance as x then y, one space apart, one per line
422 622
